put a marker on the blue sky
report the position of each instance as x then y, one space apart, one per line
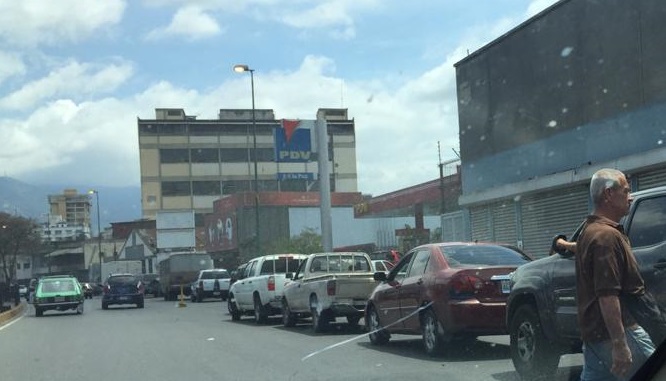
76 74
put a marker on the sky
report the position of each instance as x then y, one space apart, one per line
76 74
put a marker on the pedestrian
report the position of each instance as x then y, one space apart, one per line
614 345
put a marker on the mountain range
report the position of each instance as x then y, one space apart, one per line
116 204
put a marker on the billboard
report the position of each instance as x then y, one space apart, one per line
221 226
293 141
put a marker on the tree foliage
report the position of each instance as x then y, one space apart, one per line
17 237
305 243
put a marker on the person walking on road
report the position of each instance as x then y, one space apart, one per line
614 345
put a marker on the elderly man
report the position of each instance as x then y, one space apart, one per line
614 346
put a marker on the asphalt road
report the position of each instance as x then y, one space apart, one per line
163 342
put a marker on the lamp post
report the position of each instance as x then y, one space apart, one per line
99 232
242 69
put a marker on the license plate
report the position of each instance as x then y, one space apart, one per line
59 299
123 298
216 293
506 286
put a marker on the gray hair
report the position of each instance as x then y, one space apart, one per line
602 180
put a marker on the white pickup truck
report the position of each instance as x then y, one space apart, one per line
258 290
213 283
326 286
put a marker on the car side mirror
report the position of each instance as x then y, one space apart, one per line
379 276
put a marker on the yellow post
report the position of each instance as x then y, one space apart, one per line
181 302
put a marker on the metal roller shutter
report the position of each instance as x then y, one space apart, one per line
504 222
550 213
652 179
480 222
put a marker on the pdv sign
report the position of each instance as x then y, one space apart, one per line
293 141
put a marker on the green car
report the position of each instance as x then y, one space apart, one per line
58 293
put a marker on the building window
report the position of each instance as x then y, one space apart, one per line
147 129
234 155
206 188
170 156
176 188
205 155
233 186
26 265
18 266
173 129
293 185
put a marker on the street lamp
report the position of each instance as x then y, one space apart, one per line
242 69
99 232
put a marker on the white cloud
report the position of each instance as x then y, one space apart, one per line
80 79
537 6
11 65
192 23
31 22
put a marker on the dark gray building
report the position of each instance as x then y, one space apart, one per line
576 88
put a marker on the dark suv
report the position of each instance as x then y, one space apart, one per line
123 289
541 309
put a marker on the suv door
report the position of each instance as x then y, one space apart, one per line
647 234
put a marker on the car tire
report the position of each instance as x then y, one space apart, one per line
288 318
432 340
105 306
193 297
352 320
377 334
319 318
533 355
233 309
39 312
260 313
79 309
140 304
199 297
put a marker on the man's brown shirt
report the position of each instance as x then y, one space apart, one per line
605 265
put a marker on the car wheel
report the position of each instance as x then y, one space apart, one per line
39 312
233 309
319 318
288 318
140 304
79 309
432 340
260 313
353 320
532 354
105 306
193 297
378 335
199 296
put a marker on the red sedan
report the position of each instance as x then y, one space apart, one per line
443 291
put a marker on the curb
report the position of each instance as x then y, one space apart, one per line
11 314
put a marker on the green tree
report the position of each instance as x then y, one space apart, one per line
18 236
305 243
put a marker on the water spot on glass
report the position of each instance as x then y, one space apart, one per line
660 142
471 166
570 83
605 91
565 110
551 153
211 339
601 61
552 123
625 105
517 198
482 138
566 51
469 126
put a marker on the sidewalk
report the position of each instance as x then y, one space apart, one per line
7 316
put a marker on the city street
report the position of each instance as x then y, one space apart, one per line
200 342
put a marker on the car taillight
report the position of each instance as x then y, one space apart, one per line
330 287
271 283
465 285
140 288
